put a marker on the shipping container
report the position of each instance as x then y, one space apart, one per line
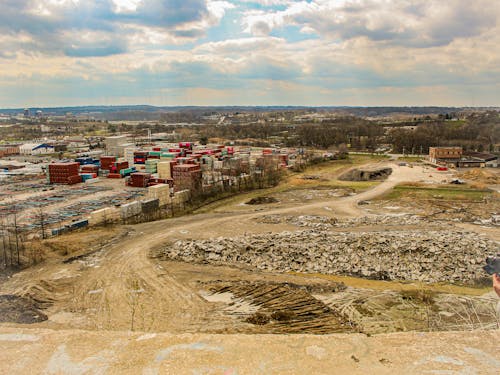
150 205
139 179
130 209
127 171
187 145
63 173
107 162
79 224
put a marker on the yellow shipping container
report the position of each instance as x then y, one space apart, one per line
164 169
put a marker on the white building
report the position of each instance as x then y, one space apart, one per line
35 149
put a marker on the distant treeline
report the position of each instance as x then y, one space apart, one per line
478 131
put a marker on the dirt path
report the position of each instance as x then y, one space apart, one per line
348 206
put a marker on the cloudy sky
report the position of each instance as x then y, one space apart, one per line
249 52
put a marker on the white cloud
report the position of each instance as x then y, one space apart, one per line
335 51
410 22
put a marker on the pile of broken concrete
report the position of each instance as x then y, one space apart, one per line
429 256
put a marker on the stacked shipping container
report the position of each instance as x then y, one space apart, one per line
186 176
64 173
139 180
107 162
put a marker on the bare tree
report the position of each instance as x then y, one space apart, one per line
15 228
4 243
42 221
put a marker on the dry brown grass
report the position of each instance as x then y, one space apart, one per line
76 242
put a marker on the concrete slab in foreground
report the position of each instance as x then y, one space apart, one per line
40 351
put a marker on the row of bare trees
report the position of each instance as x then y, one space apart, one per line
16 249
11 241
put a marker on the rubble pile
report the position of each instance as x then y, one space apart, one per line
493 221
366 174
430 256
324 222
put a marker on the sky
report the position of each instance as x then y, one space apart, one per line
249 52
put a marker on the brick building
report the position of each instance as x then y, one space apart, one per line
445 155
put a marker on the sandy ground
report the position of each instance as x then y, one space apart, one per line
39 351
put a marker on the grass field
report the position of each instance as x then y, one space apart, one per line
325 177
410 159
441 193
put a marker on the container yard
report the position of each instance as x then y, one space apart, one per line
91 188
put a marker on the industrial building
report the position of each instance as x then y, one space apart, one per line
472 159
36 149
9 150
445 155
456 157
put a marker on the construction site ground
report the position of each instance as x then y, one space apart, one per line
96 287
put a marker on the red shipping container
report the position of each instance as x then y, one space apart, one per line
121 165
139 179
90 168
74 180
64 173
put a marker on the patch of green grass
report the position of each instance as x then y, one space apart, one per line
437 193
369 156
410 159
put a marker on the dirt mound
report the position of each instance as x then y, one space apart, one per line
45 292
262 200
15 309
481 175
366 174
